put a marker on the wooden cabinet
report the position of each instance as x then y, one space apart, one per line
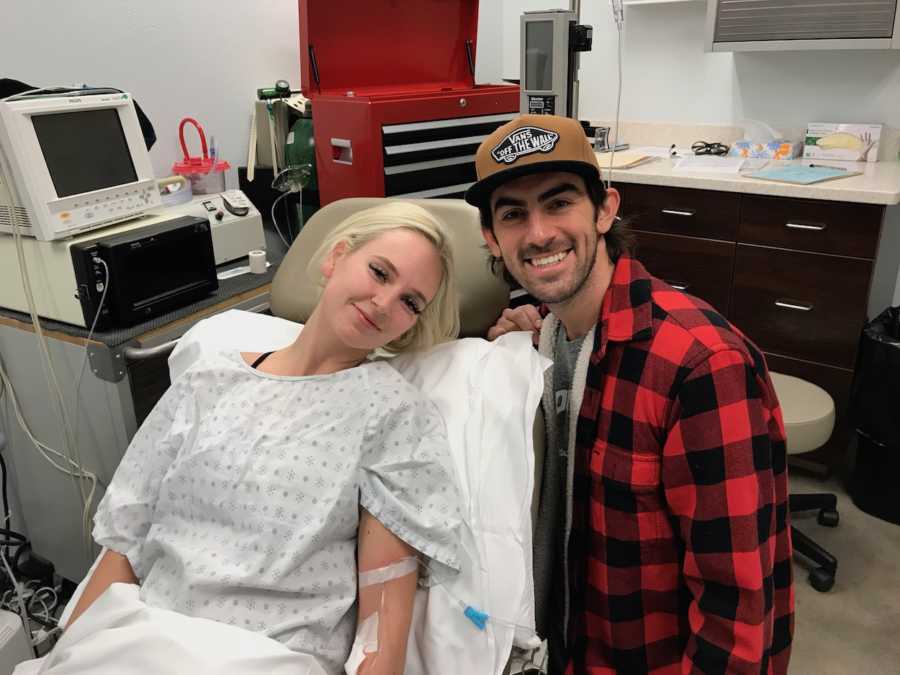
701 267
799 304
683 211
793 274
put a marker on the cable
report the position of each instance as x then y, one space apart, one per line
6 514
275 220
23 611
72 454
75 470
85 514
619 16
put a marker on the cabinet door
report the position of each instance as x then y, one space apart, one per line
701 267
804 305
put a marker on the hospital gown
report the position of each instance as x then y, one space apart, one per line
238 499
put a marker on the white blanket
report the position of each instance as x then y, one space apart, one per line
120 635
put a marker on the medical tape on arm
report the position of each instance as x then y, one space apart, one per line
369 632
389 572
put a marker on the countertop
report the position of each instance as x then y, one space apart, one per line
878 184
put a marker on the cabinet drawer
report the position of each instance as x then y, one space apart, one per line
701 267
698 213
822 227
804 305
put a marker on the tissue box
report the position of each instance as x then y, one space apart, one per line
780 149
852 142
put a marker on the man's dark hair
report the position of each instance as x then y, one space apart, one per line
619 238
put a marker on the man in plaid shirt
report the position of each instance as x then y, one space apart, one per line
662 543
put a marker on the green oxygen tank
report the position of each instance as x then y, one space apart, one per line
300 151
300 161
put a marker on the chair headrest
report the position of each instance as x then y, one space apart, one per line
482 295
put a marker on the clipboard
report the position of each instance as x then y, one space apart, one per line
802 174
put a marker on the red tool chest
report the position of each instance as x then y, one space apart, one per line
396 111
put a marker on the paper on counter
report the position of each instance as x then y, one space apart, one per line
709 164
622 159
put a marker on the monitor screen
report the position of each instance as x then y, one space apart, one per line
85 150
539 55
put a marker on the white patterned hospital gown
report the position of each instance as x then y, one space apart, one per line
238 498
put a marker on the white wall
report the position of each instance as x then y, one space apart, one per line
488 60
668 77
199 58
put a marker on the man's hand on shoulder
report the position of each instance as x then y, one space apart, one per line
525 317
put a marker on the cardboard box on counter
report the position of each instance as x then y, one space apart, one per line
850 142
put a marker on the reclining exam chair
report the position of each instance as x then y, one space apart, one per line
482 296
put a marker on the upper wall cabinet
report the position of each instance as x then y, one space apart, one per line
771 25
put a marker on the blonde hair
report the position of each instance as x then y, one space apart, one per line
439 321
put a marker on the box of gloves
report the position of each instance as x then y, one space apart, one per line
852 142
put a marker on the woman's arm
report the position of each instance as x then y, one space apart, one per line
393 600
113 568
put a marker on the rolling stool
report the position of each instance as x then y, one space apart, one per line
808 413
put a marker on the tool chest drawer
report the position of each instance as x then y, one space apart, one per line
701 267
682 211
434 156
838 228
805 305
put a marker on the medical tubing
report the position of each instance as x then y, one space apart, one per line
47 365
619 15
204 149
6 514
42 448
85 514
23 611
275 220
478 618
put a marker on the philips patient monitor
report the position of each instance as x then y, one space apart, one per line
72 163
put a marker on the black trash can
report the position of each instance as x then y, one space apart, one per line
875 412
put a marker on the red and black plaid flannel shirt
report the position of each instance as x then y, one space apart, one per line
680 553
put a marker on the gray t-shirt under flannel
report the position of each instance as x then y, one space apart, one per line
550 526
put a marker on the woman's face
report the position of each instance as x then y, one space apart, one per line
374 294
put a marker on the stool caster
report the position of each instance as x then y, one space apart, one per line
828 518
821 579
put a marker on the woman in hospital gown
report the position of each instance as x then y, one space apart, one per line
249 493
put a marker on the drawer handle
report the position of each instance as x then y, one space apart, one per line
679 285
679 212
805 226
794 304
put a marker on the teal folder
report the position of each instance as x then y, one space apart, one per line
802 175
